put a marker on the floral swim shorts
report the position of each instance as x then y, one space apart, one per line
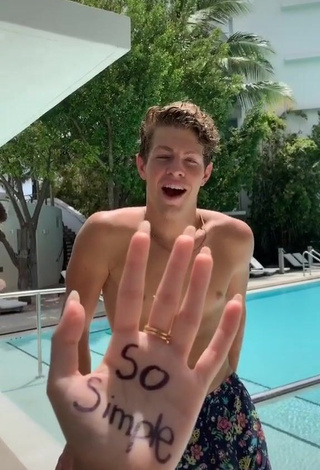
228 433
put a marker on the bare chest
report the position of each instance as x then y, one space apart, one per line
216 296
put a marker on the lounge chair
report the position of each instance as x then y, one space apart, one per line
293 261
258 267
11 306
304 259
256 272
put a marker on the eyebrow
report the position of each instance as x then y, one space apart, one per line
169 149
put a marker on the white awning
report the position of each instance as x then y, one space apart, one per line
48 49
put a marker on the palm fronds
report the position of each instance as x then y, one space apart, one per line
266 92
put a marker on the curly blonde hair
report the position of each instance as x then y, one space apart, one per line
183 115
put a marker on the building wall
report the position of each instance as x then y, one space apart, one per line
49 246
72 218
301 125
292 27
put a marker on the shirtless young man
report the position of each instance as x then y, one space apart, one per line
177 145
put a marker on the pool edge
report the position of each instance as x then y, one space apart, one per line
32 446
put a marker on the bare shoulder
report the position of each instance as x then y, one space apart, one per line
107 223
115 218
231 232
98 242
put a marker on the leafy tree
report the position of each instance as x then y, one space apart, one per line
168 61
285 198
35 154
246 54
236 163
179 51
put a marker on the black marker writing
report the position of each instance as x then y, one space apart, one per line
86 409
156 435
152 370
135 366
151 378
144 377
113 411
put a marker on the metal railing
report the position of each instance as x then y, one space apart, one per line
268 396
279 393
38 293
312 254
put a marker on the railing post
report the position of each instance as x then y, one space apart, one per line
281 260
38 310
310 259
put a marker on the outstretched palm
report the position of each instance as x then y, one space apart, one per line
137 410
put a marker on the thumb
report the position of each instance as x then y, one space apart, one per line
64 346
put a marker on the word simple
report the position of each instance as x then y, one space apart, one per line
150 378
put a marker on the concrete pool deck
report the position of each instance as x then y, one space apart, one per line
290 277
24 444
51 305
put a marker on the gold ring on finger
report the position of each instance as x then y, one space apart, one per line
159 333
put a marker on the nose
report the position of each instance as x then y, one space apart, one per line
175 169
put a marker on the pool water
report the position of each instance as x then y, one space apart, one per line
282 336
281 345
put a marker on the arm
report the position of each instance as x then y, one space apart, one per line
87 272
138 432
238 285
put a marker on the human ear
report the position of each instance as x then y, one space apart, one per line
141 166
207 173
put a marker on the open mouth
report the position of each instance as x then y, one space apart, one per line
173 191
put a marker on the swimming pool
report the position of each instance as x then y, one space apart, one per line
281 345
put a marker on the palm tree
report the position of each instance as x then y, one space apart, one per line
247 55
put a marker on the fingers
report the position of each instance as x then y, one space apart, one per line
64 348
213 357
168 295
186 323
131 288
2 284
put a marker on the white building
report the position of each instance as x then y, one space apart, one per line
293 29
49 245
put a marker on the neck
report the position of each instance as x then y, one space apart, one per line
166 227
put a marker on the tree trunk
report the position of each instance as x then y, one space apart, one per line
33 258
51 195
27 260
24 275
